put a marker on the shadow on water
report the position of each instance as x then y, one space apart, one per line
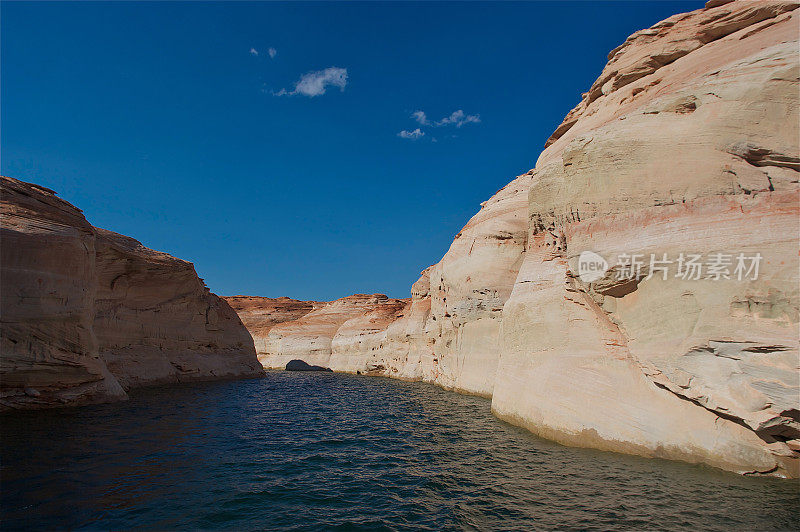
304 451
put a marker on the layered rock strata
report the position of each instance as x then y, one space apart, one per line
260 314
87 313
686 144
343 334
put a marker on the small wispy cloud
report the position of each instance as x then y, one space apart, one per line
458 119
421 117
271 52
412 135
315 83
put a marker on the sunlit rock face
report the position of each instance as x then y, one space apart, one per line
447 333
358 345
87 313
342 334
687 143
407 350
469 287
260 314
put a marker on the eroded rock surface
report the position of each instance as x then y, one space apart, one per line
260 314
338 334
687 143
696 153
88 314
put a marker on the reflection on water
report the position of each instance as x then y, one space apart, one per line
303 451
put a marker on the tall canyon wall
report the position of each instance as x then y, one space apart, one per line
688 144
88 314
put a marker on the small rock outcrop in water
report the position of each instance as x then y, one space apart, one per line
299 365
688 142
88 314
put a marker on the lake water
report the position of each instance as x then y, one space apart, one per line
310 451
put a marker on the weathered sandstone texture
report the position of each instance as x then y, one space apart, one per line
343 334
687 143
260 314
87 313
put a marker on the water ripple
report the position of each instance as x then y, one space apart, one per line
310 451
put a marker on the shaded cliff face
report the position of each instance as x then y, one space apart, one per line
686 143
49 350
87 313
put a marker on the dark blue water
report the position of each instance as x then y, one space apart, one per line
311 451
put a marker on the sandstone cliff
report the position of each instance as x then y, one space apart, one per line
260 314
687 143
343 334
88 314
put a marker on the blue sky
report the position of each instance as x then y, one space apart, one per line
289 173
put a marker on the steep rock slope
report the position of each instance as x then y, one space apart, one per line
687 143
48 349
87 313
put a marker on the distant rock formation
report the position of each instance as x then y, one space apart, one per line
338 334
299 365
688 142
87 313
260 314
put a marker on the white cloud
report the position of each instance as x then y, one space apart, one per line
253 51
314 83
272 53
413 135
420 117
458 119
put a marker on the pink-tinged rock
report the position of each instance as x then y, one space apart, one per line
287 329
695 154
687 142
260 314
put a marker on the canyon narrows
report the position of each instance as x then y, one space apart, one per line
687 143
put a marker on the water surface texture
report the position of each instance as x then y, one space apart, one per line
311 451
